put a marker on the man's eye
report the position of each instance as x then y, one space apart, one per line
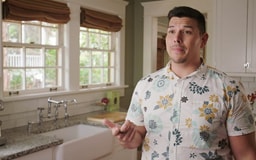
171 31
187 32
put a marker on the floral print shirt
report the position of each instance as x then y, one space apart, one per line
190 118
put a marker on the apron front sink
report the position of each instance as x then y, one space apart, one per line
82 142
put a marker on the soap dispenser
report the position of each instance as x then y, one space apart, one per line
113 104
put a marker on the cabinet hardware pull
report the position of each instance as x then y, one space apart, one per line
53 89
246 65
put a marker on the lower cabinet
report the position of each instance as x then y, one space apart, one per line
120 153
40 155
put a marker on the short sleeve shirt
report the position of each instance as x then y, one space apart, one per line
190 118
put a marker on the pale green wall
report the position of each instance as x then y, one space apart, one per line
133 48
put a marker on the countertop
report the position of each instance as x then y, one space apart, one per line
114 116
20 143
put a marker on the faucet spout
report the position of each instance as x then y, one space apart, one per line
50 100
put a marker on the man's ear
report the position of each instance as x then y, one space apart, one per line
204 38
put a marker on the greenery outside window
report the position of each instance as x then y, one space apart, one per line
31 56
97 58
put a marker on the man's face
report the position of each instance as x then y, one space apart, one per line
184 41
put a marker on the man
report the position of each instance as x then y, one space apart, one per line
188 110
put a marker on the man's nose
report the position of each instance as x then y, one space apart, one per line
178 37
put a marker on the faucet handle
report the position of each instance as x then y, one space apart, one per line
70 101
73 101
40 109
30 127
1 105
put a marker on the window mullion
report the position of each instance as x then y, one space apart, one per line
23 55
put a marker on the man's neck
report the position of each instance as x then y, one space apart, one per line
183 70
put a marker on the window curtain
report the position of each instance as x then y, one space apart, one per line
42 10
98 20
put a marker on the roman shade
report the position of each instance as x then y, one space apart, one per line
42 10
98 20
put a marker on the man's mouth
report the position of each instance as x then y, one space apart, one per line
177 49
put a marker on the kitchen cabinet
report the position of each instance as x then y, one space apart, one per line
124 154
119 152
251 45
236 36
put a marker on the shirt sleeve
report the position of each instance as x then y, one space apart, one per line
135 113
240 119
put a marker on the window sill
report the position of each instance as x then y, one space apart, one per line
64 93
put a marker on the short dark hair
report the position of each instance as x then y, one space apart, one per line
184 11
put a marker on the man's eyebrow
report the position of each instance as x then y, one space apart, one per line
186 26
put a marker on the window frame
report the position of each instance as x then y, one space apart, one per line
111 50
60 51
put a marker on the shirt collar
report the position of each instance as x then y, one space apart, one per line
202 69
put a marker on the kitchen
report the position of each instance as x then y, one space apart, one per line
137 59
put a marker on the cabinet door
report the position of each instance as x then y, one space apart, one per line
231 35
125 154
251 43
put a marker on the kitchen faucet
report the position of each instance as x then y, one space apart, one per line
50 101
57 104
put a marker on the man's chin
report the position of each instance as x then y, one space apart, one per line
178 61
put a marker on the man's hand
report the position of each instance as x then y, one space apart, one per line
129 135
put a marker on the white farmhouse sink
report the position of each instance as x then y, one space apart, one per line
82 142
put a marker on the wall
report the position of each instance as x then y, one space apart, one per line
133 47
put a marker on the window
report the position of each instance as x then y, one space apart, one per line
31 56
97 57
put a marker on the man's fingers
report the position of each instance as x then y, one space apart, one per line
126 126
108 123
114 127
